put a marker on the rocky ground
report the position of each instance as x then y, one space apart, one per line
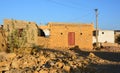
60 61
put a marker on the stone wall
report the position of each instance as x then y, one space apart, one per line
2 41
29 27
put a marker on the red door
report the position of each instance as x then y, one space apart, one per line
71 38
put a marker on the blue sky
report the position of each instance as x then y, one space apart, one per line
78 11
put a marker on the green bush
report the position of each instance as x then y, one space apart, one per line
16 38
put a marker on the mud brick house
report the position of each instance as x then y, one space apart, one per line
53 35
67 35
30 28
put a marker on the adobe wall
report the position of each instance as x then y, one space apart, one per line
59 35
2 41
43 42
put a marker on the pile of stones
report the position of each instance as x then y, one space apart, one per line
48 61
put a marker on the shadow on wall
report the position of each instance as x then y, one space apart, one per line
41 33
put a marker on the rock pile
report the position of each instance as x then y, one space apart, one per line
47 61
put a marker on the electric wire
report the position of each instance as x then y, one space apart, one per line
73 7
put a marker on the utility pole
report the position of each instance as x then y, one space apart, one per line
97 44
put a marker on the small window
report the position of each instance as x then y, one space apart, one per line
81 33
102 32
20 32
61 33
94 33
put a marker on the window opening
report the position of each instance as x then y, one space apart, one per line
102 32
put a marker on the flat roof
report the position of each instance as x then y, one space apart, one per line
70 24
